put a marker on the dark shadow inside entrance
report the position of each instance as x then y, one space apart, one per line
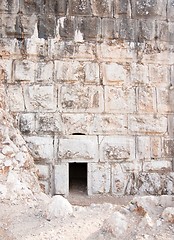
78 177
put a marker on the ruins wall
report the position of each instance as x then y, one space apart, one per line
92 81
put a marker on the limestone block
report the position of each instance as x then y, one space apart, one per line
60 49
154 8
168 148
143 147
6 69
120 100
78 149
76 123
61 179
66 28
44 71
69 71
116 148
128 29
41 147
155 145
162 31
39 98
163 100
115 74
108 124
102 8
49 123
81 98
146 99
42 172
80 7
27 122
131 167
15 98
170 10
119 180
159 165
122 7
89 27
109 28
46 26
159 74
58 7
146 30
171 33
171 125
100 177
139 74
150 124
85 51
8 47
36 46
91 73
24 70
115 52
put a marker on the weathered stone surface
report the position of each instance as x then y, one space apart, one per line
16 98
146 99
102 8
168 214
27 123
143 147
24 70
116 148
170 10
78 148
61 180
78 7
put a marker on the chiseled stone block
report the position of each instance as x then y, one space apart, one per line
156 147
146 99
168 148
78 149
100 177
91 72
80 7
61 179
27 123
24 70
16 98
81 98
44 71
159 75
116 148
146 30
170 10
143 147
147 124
108 124
40 98
120 100
115 73
109 28
41 147
102 8
163 100
139 74
69 71
6 69
76 123
159 165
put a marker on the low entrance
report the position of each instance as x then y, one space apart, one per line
78 177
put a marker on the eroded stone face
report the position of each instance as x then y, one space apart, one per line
91 81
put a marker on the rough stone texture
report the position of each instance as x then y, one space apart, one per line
102 71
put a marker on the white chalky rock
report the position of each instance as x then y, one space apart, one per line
116 224
168 214
58 207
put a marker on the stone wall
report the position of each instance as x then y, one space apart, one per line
92 81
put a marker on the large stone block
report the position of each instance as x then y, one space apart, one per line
27 123
44 71
46 26
15 98
11 6
66 28
56 7
146 30
109 28
6 70
91 71
163 100
100 177
40 98
143 148
60 49
139 74
127 29
41 148
85 51
69 71
76 123
80 7
81 98
78 149
49 123
116 148
155 166
120 100
168 148
122 7
170 10
147 124
162 31
159 75
146 99
156 147
108 124
115 74
24 70
102 8
152 8
61 179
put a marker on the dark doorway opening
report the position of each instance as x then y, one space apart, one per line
78 177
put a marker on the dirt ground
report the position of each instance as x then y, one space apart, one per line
27 221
